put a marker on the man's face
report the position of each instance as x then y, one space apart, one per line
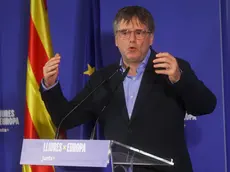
133 40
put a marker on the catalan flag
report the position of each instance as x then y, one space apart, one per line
38 124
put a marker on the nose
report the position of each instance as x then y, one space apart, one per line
132 37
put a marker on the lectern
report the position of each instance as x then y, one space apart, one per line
87 153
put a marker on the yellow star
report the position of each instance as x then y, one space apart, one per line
64 147
90 70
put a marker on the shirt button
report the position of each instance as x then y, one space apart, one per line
131 97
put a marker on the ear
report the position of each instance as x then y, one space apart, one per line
116 40
151 39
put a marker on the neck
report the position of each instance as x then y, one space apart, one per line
133 68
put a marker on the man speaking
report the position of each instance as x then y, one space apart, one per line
145 108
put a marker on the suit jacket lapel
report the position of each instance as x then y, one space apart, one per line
122 103
119 95
148 79
146 85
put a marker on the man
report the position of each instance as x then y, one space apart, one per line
147 109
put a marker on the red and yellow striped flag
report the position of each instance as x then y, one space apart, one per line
38 124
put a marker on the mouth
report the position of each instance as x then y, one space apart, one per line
132 48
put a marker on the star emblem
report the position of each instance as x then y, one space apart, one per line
90 70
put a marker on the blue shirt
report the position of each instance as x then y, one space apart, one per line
132 83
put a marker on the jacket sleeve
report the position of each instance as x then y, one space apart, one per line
196 97
58 106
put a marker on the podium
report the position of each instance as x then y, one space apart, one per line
87 153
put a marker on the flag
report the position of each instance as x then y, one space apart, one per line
91 59
38 124
88 60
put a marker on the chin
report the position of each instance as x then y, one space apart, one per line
134 59
133 56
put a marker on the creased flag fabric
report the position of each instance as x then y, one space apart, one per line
91 59
38 124
88 62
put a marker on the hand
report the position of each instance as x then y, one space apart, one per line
170 65
50 70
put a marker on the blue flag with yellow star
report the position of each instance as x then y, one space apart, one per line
88 59
92 58
92 46
87 56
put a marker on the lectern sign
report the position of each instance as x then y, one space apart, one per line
78 153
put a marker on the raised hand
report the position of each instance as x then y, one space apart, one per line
50 70
168 65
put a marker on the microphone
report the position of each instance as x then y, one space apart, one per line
94 127
75 107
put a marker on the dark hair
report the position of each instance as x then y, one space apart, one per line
127 13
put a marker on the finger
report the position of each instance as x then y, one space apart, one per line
162 60
165 72
56 57
49 74
51 68
164 54
57 54
52 63
161 65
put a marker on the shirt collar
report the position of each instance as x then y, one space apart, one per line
141 66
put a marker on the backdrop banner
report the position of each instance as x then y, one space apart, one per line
191 30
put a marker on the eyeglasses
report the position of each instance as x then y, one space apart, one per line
139 34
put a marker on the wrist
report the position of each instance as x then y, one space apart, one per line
176 77
47 85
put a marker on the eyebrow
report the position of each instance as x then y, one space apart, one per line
131 29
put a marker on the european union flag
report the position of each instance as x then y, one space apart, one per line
92 49
89 61
88 57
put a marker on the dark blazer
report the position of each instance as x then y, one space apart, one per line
157 122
